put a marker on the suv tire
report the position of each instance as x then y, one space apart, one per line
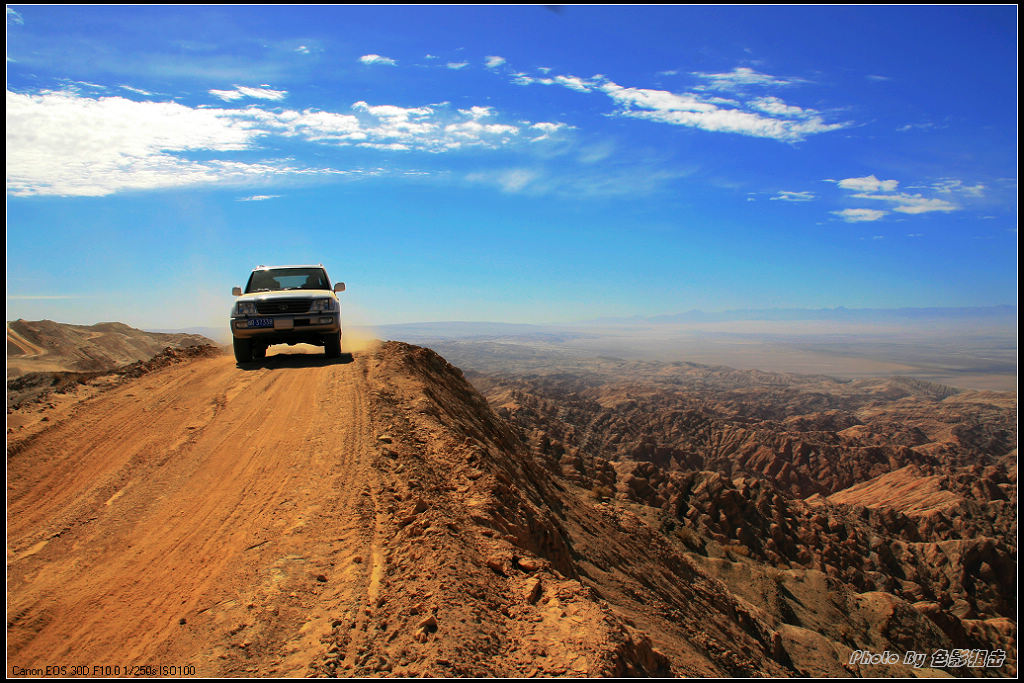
332 346
243 350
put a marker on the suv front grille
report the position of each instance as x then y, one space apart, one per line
283 306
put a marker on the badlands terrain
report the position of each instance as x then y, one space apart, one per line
386 514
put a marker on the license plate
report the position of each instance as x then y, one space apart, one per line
261 322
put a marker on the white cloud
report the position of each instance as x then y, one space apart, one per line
873 189
493 61
523 79
79 86
573 83
868 184
431 128
776 107
860 215
911 203
689 109
742 77
377 59
457 65
766 117
547 129
14 18
477 113
63 143
302 49
261 93
788 196
137 91
951 185
259 197
60 143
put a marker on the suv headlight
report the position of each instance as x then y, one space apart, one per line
322 306
244 308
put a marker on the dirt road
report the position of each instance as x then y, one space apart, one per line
178 520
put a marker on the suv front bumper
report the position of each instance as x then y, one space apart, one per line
284 329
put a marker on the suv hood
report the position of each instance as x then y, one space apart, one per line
287 294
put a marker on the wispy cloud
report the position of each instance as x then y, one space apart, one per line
788 196
868 184
689 109
510 180
259 198
378 59
457 65
14 18
493 61
137 91
45 297
776 107
762 116
547 130
592 184
949 186
261 93
860 215
911 203
744 77
927 125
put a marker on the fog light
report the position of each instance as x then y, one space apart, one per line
241 323
326 321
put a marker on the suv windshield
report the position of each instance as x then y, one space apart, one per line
278 279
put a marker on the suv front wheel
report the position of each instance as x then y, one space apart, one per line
243 350
332 345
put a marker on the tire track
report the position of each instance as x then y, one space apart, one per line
191 517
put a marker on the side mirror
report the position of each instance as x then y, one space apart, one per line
339 286
236 291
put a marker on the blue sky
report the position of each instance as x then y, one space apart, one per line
515 164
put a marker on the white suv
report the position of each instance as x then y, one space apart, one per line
286 305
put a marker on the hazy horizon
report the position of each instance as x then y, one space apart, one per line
907 315
966 348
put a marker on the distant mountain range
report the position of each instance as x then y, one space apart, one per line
840 313
999 315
